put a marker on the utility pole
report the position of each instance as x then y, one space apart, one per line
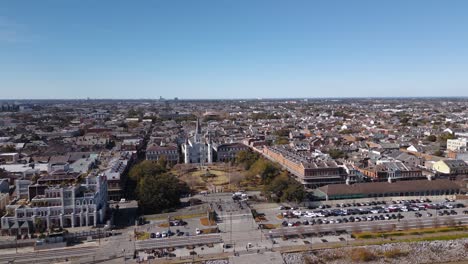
16 242
229 175
261 230
230 229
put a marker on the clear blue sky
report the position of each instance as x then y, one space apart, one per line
232 49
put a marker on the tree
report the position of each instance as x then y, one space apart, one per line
431 138
283 188
282 132
266 169
146 168
336 154
277 187
443 137
160 192
162 162
295 192
3 173
8 148
246 158
281 141
40 225
110 145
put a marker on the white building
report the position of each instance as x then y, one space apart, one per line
58 206
196 149
457 144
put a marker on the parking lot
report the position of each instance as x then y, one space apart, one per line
301 226
376 211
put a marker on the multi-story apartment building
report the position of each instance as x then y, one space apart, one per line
227 152
170 153
457 144
451 167
386 170
308 171
118 166
75 205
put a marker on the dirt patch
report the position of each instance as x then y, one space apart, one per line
207 222
209 230
165 224
142 235
269 226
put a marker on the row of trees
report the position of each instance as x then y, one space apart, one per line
157 189
277 185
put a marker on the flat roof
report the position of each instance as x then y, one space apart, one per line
385 187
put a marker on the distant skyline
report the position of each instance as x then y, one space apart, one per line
220 49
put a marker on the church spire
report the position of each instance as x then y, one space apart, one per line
198 129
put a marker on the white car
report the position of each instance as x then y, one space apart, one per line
197 231
297 213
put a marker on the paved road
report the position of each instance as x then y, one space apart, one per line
178 242
48 256
366 226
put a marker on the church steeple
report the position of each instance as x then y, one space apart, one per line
198 131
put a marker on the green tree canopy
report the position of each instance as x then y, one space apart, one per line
336 154
246 158
443 137
281 141
295 192
282 188
266 169
161 192
146 168
282 132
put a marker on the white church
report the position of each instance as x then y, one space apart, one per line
197 149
